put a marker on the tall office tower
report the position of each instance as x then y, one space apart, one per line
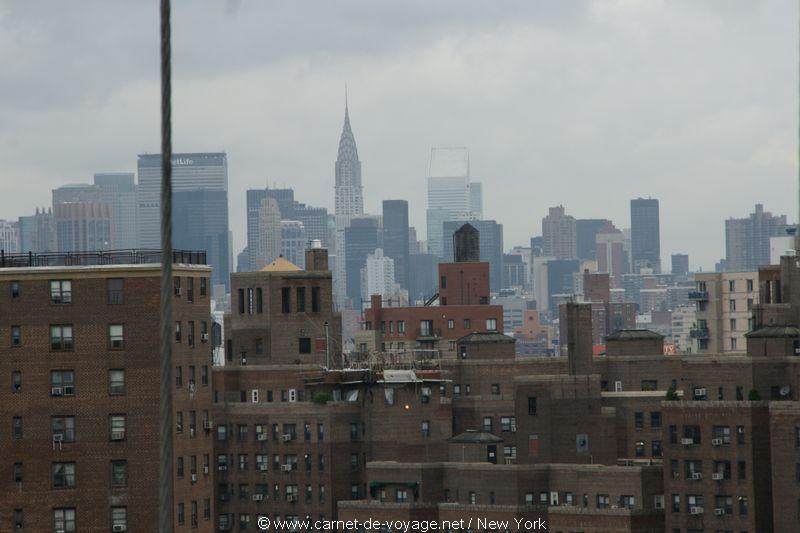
83 226
77 193
560 279
349 203
37 232
286 207
559 234
413 244
119 191
294 242
190 172
450 196
645 235
86 447
680 264
747 239
422 280
476 199
268 246
200 222
611 254
491 246
396 237
9 237
585 237
514 272
315 222
537 246
377 276
361 239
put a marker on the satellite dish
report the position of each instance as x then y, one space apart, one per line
785 390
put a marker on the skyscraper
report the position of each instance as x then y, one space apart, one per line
349 203
83 226
451 196
200 222
645 235
377 276
37 232
395 238
612 257
190 172
286 207
294 242
9 237
361 238
490 244
680 264
747 239
586 232
270 232
119 191
559 234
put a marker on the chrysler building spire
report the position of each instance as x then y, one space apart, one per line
349 196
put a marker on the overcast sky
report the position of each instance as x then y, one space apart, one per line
582 103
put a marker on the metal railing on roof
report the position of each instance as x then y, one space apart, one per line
106 257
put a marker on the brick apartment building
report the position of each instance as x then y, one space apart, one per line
724 303
80 404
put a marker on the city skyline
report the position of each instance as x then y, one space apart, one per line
743 135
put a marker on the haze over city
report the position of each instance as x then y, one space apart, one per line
585 104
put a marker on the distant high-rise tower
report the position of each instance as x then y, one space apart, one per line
395 238
747 239
559 234
83 226
37 232
270 232
646 235
586 233
349 204
361 238
294 242
119 191
9 237
680 264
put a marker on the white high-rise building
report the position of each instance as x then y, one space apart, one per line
9 237
377 276
451 196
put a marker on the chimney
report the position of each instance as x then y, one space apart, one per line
316 259
579 338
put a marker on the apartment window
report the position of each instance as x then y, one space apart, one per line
116 336
18 473
732 304
119 518
63 428
203 286
16 381
532 405
603 501
207 509
693 500
16 427
655 419
177 331
241 301
467 389
116 382
176 285
722 434
16 336
63 475
315 303
61 338
190 289
114 291
656 448
740 435
487 423
426 428
451 324
15 290
401 326
61 292
19 521
676 503
491 324
628 502
722 467
426 328
510 453
638 448
749 285
401 495
119 473
508 424
304 345
190 335
732 285
204 375
64 520
638 420
62 383
179 467
673 434
300 296
733 343
495 388
286 300
320 432
741 470
649 384
733 324
117 427
742 505
181 514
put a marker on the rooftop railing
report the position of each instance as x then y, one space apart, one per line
106 257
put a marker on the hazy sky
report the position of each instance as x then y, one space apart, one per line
582 103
